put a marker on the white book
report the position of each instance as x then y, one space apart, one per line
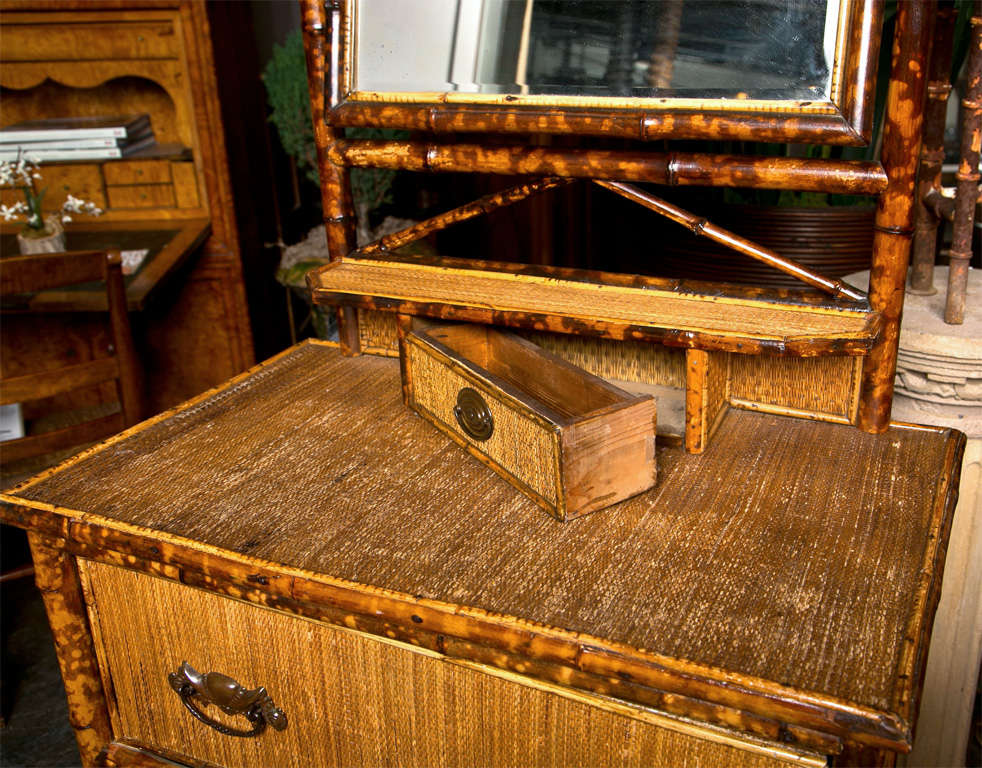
6 145
100 153
52 129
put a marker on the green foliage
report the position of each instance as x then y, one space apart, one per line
285 78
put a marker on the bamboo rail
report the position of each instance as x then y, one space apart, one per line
671 169
481 206
968 178
705 228
894 221
323 40
932 153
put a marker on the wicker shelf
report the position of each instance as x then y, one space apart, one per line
769 322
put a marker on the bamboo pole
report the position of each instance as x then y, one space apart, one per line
894 221
323 28
968 178
932 153
479 207
670 169
703 227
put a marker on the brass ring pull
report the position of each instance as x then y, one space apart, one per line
230 697
473 414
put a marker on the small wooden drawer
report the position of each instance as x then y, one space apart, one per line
89 41
570 440
141 196
137 172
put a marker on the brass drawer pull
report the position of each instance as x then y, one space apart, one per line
473 415
230 697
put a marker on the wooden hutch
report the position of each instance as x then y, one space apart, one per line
60 59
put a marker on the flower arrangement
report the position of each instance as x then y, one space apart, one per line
24 174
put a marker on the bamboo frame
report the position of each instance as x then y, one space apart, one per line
893 227
927 217
892 181
967 176
845 118
670 169
705 228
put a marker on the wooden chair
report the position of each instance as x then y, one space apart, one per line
23 276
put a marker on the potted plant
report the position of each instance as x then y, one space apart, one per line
40 233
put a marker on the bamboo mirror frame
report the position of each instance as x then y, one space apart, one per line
618 306
845 118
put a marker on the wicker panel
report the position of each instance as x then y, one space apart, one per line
822 385
615 304
528 451
619 360
717 386
724 546
378 333
352 700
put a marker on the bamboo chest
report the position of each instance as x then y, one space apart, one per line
298 530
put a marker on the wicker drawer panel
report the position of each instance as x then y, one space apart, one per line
354 700
572 441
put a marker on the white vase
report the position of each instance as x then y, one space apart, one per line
53 241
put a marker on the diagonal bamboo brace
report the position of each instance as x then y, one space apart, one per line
701 226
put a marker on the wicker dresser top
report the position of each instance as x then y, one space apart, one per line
793 551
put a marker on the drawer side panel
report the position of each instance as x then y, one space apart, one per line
352 700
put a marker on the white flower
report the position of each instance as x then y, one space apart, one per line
65 218
33 220
11 212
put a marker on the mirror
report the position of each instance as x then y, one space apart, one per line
598 49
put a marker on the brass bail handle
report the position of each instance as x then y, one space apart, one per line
213 688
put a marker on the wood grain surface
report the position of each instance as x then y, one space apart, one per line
789 571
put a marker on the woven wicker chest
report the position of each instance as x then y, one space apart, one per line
767 603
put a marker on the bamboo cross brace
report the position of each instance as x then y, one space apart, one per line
701 226
479 207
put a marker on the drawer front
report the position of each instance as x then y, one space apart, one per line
82 180
523 449
87 42
141 196
137 172
356 700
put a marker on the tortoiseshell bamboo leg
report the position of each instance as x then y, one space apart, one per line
895 211
968 178
57 578
932 153
322 31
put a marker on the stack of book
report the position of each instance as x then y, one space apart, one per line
77 138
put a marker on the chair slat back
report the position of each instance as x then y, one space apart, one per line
39 272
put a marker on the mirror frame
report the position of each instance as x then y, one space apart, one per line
845 119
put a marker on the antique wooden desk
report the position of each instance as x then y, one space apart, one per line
768 602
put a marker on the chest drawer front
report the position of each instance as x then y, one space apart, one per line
137 172
141 196
88 42
355 700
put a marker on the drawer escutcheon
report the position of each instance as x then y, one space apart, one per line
473 414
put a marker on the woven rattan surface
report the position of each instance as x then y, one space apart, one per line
352 700
790 550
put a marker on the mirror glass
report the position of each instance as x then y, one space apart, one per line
720 49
